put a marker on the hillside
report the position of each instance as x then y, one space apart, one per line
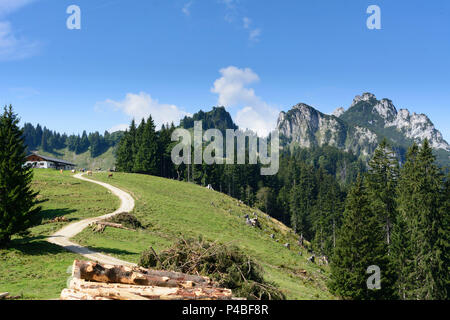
173 209
34 268
217 118
104 161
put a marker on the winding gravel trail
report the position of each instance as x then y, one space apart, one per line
61 237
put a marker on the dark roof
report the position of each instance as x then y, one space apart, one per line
53 159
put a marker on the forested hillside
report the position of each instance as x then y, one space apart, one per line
92 150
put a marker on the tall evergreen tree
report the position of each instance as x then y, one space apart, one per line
147 159
18 205
360 244
421 240
125 150
381 182
303 196
326 213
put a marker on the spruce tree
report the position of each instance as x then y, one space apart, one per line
421 239
18 204
147 160
326 213
381 182
125 150
360 244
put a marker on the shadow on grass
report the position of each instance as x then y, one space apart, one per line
34 246
109 251
50 214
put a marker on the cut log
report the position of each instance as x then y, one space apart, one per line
112 225
4 295
92 271
135 292
69 294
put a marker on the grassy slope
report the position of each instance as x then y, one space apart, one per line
181 209
84 160
35 268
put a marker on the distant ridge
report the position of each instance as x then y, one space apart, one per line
361 127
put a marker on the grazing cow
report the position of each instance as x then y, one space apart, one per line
287 245
323 260
300 240
89 173
110 175
252 222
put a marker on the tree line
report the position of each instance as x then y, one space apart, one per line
390 215
306 194
396 218
51 141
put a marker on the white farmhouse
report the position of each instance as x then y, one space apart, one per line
35 160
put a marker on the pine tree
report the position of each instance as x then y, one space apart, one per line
445 238
303 196
421 239
326 213
147 160
18 204
360 244
44 141
125 150
381 182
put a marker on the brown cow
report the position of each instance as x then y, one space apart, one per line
110 175
89 173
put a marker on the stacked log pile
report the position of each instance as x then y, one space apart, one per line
94 281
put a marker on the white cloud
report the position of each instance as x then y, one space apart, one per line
231 86
119 127
255 114
138 106
14 48
187 8
8 6
253 33
247 22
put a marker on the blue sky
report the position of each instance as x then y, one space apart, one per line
173 57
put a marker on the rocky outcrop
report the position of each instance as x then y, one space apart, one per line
384 117
338 112
418 127
359 128
307 127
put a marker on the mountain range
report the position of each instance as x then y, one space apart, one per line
361 127
358 130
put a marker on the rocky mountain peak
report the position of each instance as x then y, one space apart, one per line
385 109
361 127
338 112
366 96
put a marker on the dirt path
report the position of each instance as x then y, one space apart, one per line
61 237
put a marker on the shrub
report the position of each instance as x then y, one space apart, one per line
227 265
127 220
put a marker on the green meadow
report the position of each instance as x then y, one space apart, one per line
171 209
33 268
